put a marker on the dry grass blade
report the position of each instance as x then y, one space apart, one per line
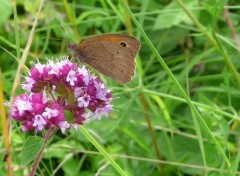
24 56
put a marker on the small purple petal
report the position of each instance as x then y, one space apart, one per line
39 122
29 84
78 91
39 67
83 101
102 111
49 113
64 125
71 77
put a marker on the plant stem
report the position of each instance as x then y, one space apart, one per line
39 156
36 163
231 27
151 131
5 130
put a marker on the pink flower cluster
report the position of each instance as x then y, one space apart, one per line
55 88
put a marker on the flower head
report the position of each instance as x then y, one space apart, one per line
54 88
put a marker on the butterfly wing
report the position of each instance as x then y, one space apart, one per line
111 54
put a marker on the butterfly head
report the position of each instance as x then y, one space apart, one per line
71 46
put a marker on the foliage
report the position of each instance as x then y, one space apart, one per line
180 113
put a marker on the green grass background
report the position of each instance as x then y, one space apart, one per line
180 113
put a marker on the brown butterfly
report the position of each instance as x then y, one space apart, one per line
111 54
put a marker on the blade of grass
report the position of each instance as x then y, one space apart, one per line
195 122
71 19
16 29
151 131
200 105
235 164
102 150
24 56
5 130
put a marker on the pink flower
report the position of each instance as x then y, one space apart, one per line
39 67
55 114
39 122
83 101
63 126
49 113
54 88
78 91
21 107
71 77
102 111
29 84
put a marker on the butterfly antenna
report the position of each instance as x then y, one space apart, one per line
57 39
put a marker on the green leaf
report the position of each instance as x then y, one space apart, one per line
31 148
5 10
31 6
214 6
235 164
172 15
